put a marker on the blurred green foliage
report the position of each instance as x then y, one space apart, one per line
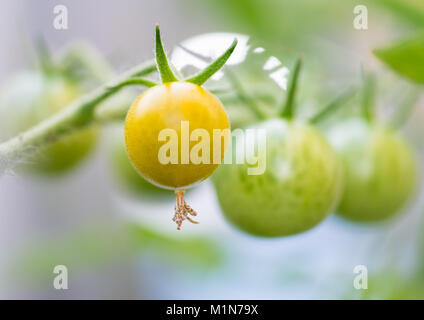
276 23
410 12
393 285
405 57
322 32
196 251
298 26
95 246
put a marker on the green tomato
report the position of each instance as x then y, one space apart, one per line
29 98
379 167
128 176
299 188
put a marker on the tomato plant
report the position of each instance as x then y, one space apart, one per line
299 188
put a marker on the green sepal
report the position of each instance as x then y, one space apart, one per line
368 96
333 106
288 109
164 69
210 70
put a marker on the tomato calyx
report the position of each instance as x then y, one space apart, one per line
288 109
368 96
182 210
367 104
50 68
333 106
167 75
46 63
244 96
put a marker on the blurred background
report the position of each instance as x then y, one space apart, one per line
119 243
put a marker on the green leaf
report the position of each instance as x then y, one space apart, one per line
405 57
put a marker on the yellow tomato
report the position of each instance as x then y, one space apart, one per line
167 106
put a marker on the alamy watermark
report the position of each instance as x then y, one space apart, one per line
60 282
360 282
60 20
250 147
360 21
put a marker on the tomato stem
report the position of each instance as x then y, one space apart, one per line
79 114
210 70
133 81
333 106
288 109
164 69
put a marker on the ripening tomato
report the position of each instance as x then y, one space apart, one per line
170 130
165 107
